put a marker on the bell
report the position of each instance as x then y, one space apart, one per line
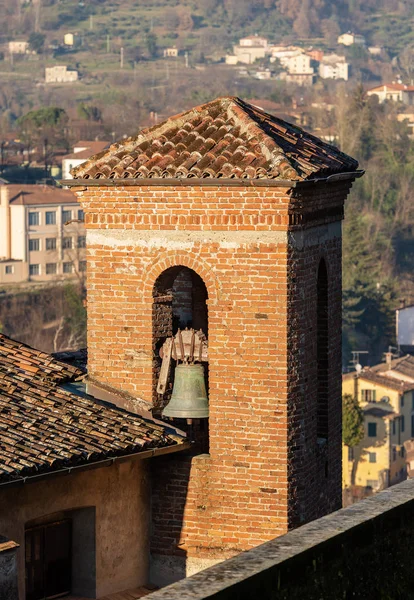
189 396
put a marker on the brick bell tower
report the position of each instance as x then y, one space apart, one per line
224 219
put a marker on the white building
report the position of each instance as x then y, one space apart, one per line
284 53
348 39
299 64
18 47
394 92
253 41
248 50
60 74
333 66
171 52
42 236
81 151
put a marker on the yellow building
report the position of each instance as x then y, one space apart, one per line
385 394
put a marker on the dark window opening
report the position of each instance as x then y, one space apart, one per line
180 301
372 430
322 352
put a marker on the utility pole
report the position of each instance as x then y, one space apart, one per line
37 16
122 58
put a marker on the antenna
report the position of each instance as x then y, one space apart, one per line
355 359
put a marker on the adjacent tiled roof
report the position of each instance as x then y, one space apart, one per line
382 379
39 194
45 428
90 149
226 138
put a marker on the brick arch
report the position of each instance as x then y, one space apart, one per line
176 259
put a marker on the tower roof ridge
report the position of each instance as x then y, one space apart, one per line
225 138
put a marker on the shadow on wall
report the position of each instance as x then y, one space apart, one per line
180 301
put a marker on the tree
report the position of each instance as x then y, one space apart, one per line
352 427
44 129
352 421
151 43
37 42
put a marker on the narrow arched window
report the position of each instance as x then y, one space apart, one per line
322 354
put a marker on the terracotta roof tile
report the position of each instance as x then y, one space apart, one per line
33 194
382 379
224 138
44 427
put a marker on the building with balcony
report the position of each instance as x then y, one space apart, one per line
42 236
386 395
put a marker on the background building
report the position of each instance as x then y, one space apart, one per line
82 150
38 241
60 74
386 394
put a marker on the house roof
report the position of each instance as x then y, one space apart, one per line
91 148
368 374
224 138
403 366
44 428
27 195
396 87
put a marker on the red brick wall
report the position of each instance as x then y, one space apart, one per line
265 471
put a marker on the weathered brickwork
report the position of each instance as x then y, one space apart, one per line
257 250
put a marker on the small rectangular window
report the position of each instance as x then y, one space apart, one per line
67 267
34 245
82 266
368 395
51 217
50 243
9 269
402 423
394 453
393 427
402 401
402 452
372 430
412 426
81 241
34 269
34 218
81 215
67 243
66 216
372 457
50 268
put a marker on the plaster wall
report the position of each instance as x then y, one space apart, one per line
120 495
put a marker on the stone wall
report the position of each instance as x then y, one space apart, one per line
363 552
258 251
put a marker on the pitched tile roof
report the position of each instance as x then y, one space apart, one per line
402 367
392 383
46 428
226 138
32 194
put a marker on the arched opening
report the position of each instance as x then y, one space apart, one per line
322 354
179 302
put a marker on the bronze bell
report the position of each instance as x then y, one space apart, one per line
189 396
